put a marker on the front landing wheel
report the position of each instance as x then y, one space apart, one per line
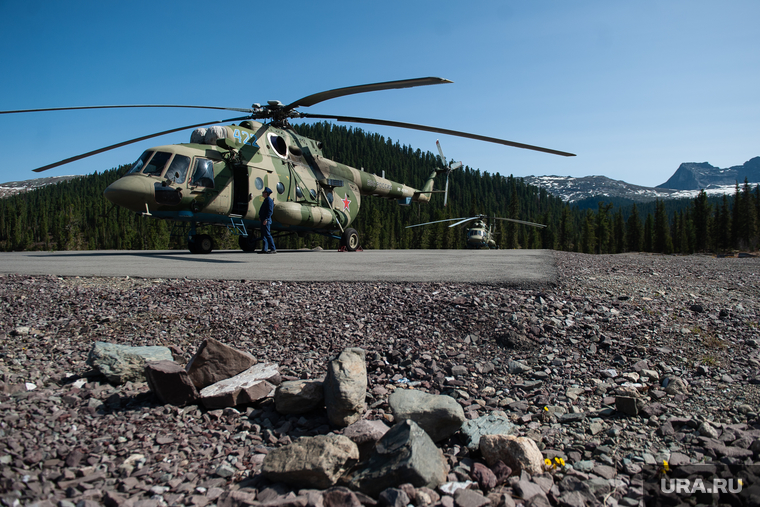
201 244
350 240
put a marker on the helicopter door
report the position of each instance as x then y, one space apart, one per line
240 191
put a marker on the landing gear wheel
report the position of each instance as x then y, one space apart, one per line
350 240
247 243
201 244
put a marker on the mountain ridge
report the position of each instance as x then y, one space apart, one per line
688 180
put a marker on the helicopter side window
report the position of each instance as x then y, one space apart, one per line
140 163
280 188
178 169
259 183
203 175
157 163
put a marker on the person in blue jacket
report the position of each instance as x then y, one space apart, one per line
265 215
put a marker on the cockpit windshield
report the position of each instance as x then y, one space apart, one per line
140 163
154 162
178 169
156 165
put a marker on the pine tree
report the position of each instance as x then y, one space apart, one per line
566 230
634 231
702 214
663 242
723 226
603 233
648 242
588 233
749 212
618 230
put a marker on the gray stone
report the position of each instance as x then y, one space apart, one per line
225 470
297 397
406 454
518 453
337 496
346 387
568 418
527 489
441 416
365 434
707 430
518 368
469 498
393 497
255 383
459 370
122 363
311 462
675 385
491 424
170 383
214 361
605 471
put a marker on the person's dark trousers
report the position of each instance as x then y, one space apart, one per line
268 240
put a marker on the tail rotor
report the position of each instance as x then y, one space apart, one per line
447 168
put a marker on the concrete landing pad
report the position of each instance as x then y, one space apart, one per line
499 267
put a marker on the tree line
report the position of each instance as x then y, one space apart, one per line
74 215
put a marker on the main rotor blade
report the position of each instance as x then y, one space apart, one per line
132 141
534 224
413 126
124 106
351 90
436 222
466 220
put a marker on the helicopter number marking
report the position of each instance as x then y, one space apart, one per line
379 185
249 138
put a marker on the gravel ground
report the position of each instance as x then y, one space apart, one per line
554 359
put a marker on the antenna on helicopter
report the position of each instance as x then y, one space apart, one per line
447 168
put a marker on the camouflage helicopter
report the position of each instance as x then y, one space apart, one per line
218 177
478 234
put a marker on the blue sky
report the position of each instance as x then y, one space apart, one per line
633 88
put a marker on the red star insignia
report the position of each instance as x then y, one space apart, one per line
346 201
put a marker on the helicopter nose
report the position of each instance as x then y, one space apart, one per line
131 192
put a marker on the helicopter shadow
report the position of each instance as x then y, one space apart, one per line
179 256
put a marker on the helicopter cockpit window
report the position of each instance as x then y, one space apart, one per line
157 163
280 188
313 193
203 174
178 169
140 163
279 145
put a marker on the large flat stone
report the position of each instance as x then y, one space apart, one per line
441 416
215 361
255 383
122 363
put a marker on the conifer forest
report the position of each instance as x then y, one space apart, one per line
74 215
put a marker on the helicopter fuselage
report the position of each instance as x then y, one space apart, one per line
479 236
218 179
